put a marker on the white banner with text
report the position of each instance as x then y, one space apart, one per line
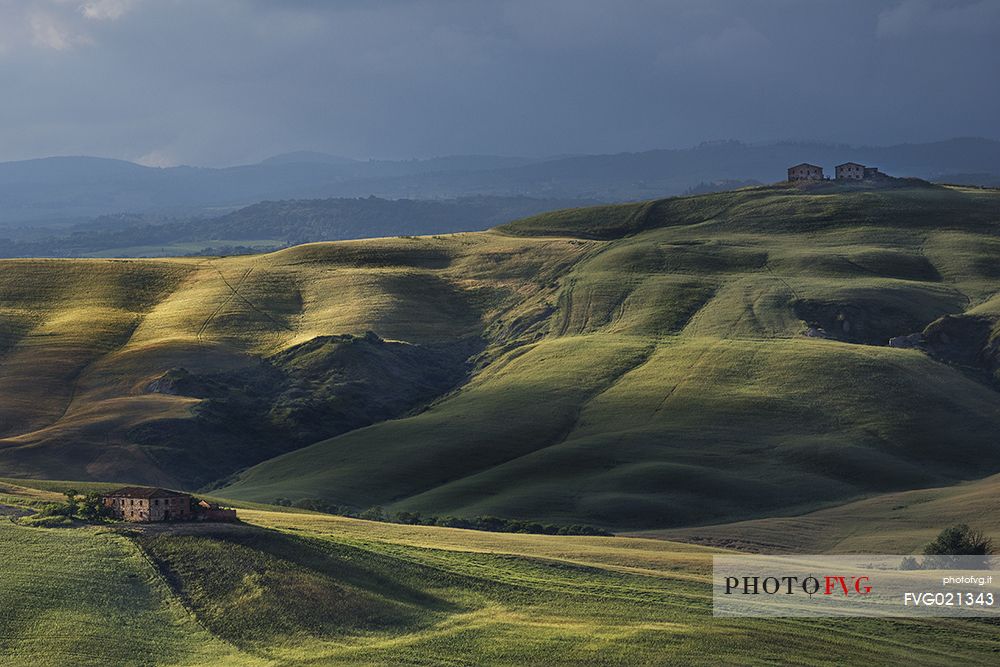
855 585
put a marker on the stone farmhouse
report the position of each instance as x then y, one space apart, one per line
146 505
851 171
138 503
805 172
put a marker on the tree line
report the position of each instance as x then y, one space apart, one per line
487 523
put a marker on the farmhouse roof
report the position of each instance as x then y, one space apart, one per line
805 164
144 492
848 164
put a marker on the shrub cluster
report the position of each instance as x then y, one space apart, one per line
89 508
491 524
954 547
960 540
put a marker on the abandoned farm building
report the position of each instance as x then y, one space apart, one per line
805 172
850 170
206 511
139 503
144 504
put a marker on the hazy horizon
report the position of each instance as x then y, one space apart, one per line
539 158
226 83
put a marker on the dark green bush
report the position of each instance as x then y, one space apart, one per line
960 540
954 546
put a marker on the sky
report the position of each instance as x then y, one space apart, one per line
222 82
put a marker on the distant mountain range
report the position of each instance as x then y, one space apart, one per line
67 190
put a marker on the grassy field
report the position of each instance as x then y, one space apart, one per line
292 588
888 523
634 367
87 597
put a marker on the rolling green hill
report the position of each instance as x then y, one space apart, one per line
633 367
674 384
87 597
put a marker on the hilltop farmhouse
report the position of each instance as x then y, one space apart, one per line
851 171
805 172
146 505
848 171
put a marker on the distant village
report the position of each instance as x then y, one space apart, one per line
849 171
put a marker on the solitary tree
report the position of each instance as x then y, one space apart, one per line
72 506
959 540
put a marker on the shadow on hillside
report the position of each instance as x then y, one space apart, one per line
254 586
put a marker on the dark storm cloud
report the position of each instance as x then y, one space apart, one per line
224 81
